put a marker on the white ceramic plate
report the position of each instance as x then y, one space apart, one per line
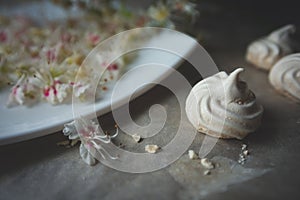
22 123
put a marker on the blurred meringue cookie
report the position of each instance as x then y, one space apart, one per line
222 106
285 76
265 52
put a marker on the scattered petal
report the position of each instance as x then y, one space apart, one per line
70 131
86 156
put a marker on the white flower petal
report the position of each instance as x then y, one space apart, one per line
70 131
81 89
62 92
86 156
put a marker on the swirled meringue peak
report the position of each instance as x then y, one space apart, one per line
285 76
266 51
222 106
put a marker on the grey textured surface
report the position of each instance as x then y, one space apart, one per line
39 169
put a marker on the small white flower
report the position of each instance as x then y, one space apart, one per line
57 93
23 93
80 89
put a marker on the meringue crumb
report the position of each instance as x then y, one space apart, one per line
246 152
243 154
239 102
192 155
206 172
205 162
244 146
136 138
151 148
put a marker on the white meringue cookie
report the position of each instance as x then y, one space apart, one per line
223 106
265 52
285 76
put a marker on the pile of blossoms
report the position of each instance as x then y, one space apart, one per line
40 63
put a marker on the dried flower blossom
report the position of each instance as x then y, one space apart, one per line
91 139
41 63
